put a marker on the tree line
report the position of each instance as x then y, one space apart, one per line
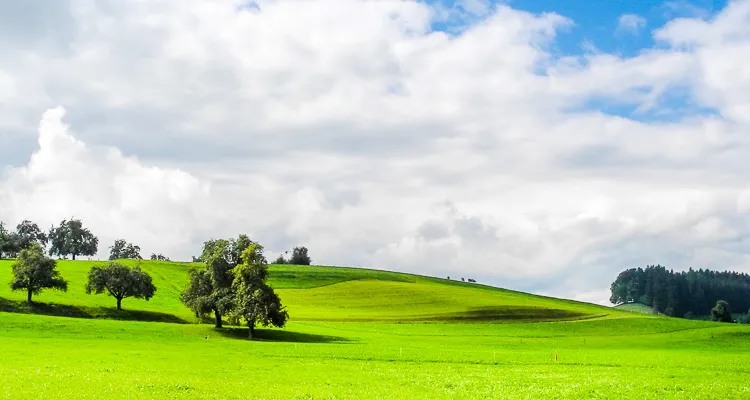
230 283
33 272
681 294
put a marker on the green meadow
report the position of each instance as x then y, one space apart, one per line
354 334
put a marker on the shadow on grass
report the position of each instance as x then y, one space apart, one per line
63 310
273 335
494 314
506 313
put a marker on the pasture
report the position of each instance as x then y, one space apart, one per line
357 333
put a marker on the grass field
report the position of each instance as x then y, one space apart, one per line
360 334
635 307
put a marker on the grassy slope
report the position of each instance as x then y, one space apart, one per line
316 293
636 307
373 353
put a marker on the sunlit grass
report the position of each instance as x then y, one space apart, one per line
364 334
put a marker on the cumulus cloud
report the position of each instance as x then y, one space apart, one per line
116 196
630 23
375 140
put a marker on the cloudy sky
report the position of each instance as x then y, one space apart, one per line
537 145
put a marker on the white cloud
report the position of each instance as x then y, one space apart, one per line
357 131
630 23
116 196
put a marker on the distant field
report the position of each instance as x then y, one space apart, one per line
361 334
635 307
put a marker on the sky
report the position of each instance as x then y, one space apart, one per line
542 146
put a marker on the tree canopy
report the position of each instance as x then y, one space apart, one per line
721 312
27 233
33 272
254 300
300 256
677 293
120 281
122 250
159 257
71 238
7 242
209 290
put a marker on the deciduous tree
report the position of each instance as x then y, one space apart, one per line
210 289
122 250
254 300
721 312
159 257
8 242
120 281
27 233
33 272
300 256
71 238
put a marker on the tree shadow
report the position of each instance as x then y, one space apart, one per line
63 310
275 335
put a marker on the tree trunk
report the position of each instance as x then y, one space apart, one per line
119 304
28 298
74 258
251 331
217 319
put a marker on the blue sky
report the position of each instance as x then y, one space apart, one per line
597 27
596 22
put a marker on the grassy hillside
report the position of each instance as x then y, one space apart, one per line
635 307
361 334
313 293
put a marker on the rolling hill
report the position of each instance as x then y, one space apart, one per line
314 293
359 334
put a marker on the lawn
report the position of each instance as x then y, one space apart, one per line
364 334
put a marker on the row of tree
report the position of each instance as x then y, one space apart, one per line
33 272
299 257
122 250
70 238
233 285
679 293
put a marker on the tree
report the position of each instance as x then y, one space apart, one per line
280 260
71 238
122 250
7 242
210 289
27 233
33 272
120 281
255 301
299 256
721 312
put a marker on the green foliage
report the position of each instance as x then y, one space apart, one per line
721 312
34 272
280 260
27 233
8 242
300 256
254 300
71 238
159 257
210 289
120 281
676 293
122 250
